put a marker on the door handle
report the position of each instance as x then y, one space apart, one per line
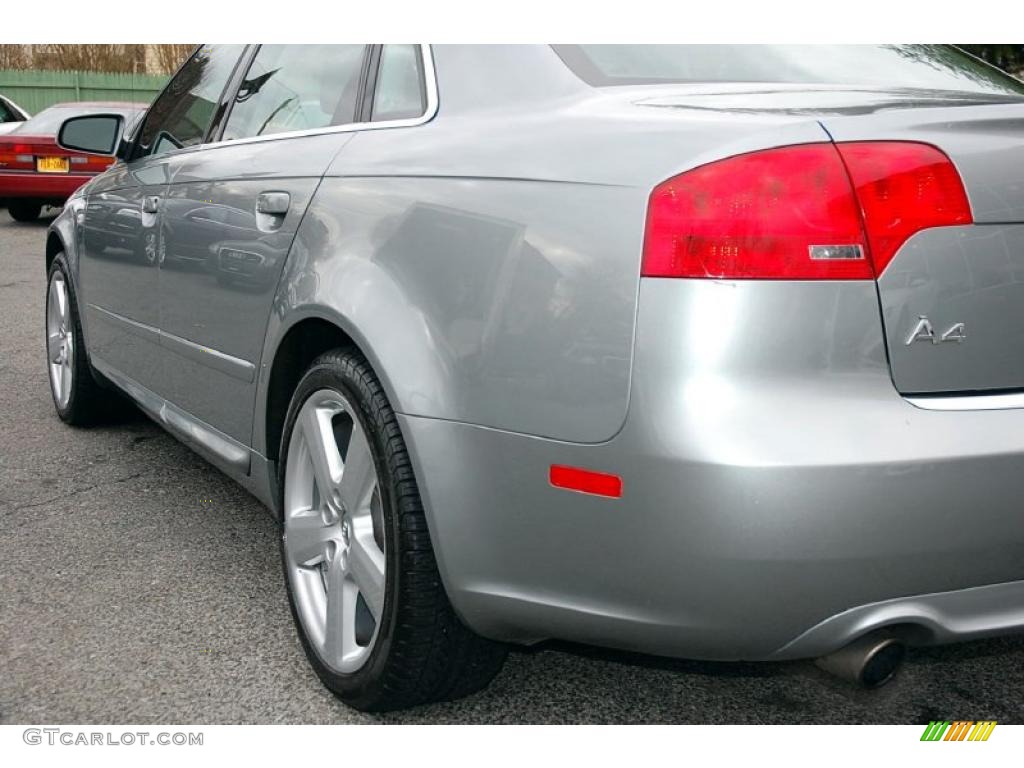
150 204
273 203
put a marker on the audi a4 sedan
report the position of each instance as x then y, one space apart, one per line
712 352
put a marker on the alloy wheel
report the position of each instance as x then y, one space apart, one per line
334 532
60 340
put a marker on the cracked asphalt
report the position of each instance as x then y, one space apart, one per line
139 585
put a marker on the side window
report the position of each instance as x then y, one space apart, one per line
400 92
6 113
182 113
296 88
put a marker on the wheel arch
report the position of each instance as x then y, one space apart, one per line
54 245
300 342
60 237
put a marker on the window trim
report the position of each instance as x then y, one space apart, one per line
371 96
369 84
228 96
133 155
429 81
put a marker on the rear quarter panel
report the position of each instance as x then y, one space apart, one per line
494 301
488 261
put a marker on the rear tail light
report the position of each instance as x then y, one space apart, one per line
15 156
9 161
807 212
22 157
903 188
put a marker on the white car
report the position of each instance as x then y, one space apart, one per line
11 115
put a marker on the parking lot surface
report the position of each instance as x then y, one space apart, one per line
138 585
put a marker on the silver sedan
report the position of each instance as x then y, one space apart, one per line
703 351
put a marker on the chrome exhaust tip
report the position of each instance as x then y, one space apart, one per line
870 661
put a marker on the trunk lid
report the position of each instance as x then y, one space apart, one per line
952 298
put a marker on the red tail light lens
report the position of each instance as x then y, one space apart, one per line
10 161
758 216
903 188
793 214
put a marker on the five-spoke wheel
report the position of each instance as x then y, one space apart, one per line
77 395
364 585
334 531
60 339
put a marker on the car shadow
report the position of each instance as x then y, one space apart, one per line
45 219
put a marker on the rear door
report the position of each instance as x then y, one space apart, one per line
231 214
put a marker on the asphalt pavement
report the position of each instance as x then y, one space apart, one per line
139 585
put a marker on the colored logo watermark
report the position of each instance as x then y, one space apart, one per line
958 730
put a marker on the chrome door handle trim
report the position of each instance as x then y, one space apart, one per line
273 203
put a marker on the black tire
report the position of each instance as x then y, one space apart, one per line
423 652
90 403
24 211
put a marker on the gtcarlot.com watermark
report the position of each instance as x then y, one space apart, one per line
73 738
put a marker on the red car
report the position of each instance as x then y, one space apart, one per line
35 172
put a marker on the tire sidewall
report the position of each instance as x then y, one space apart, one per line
362 684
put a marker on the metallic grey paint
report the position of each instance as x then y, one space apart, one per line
972 275
983 140
771 480
780 495
215 446
210 219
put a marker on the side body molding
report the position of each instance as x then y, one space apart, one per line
223 451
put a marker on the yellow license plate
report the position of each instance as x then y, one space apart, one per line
52 165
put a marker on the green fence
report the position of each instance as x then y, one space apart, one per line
36 90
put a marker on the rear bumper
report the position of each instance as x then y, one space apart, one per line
780 497
942 617
50 187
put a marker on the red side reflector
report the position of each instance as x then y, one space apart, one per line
585 481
